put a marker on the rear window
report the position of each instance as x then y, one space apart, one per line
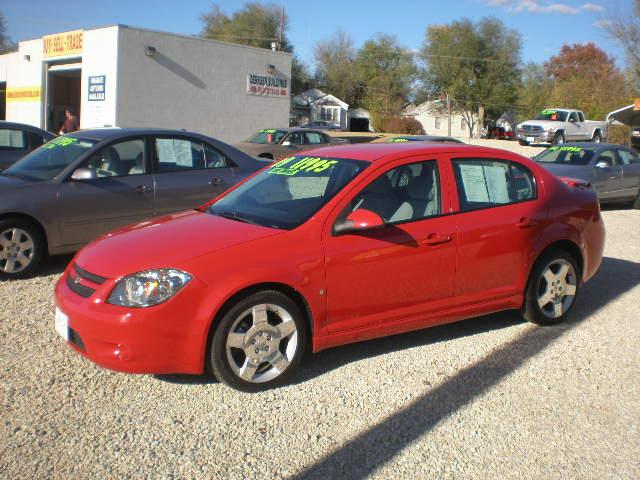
268 135
566 155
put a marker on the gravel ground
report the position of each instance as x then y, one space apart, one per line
487 398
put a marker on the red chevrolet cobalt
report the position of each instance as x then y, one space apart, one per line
342 245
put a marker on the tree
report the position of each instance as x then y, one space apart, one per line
585 77
256 25
476 65
334 67
533 94
626 30
5 43
386 71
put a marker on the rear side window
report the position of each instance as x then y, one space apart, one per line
35 140
12 139
491 183
627 157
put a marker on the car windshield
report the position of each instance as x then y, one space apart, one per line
50 159
566 155
289 192
269 135
553 115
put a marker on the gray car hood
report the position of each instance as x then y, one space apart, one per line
582 172
9 183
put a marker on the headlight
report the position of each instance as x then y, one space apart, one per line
148 288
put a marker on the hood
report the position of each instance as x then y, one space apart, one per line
573 171
541 123
13 182
166 242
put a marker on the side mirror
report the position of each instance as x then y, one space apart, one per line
84 174
359 221
286 143
602 164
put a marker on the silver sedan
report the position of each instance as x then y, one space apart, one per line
612 170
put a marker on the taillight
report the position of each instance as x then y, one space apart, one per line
576 182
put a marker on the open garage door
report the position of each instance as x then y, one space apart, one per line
63 89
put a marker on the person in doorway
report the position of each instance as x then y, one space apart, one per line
70 123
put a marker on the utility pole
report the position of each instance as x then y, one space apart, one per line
281 28
448 115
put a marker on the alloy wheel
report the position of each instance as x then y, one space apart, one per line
262 343
557 288
16 250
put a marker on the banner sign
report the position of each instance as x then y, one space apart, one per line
96 88
267 86
62 44
23 94
636 104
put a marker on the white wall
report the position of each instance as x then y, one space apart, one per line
22 73
428 122
100 57
196 84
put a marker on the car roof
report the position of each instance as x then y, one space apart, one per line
115 132
371 152
22 126
592 146
292 129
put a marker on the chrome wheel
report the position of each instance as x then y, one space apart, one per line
16 250
557 288
261 343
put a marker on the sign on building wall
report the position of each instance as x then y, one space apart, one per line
62 44
23 94
97 88
267 86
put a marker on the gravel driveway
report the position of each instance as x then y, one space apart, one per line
487 398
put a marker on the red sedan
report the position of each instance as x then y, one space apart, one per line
347 244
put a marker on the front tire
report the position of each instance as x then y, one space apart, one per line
22 248
552 289
259 342
523 143
636 202
558 139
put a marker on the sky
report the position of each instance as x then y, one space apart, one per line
545 25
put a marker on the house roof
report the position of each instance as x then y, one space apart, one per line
314 96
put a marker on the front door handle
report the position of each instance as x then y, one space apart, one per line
144 189
436 239
526 223
215 182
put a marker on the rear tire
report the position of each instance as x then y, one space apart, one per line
636 202
552 289
22 247
558 138
258 342
523 143
266 156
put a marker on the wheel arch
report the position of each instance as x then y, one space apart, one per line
30 219
568 246
266 155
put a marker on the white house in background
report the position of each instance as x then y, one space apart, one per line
434 121
313 105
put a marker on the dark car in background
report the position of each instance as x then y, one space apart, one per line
18 139
81 185
276 143
322 125
612 170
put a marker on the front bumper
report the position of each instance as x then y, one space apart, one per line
168 338
535 137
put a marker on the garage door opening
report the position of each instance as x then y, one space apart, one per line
3 100
63 92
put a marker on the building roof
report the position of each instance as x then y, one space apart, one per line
316 96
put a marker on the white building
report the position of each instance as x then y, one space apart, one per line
433 118
124 76
313 105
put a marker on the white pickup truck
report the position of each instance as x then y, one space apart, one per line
560 125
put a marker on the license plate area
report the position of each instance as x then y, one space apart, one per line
62 324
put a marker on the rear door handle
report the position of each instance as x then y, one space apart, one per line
215 182
144 189
526 223
436 239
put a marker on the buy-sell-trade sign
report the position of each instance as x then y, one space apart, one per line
62 44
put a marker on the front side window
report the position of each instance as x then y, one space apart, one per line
119 159
51 159
407 193
627 157
289 192
314 138
608 157
179 154
11 139
295 138
566 155
573 117
489 183
35 140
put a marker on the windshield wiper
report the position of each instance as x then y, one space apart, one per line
234 216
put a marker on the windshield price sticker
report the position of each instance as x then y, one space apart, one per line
548 112
306 164
268 130
565 149
397 140
61 142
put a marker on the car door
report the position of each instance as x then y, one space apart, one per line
188 172
607 180
574 128
402 271
630 172
501 213
290 145
120 194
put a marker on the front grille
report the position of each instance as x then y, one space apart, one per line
92 277
532 128
75 339
75 286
